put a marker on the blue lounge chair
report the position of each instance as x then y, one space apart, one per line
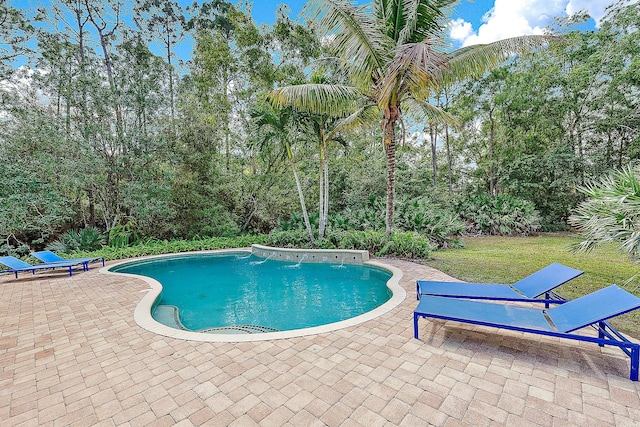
590 310
542 282
17 266
51 258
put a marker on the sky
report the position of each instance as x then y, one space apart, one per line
472 21
482 21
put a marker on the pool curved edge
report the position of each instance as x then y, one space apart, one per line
142 312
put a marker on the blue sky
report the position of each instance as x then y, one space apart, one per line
481 21
473 21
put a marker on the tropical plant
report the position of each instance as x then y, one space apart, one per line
611 213
275 126
409 245
438 224
293 238
87 239
394 53
124 233
501 215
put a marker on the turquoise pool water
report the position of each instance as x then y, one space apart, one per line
238 289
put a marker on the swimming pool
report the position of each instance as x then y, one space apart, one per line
230 293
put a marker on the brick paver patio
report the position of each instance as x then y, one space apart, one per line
71 354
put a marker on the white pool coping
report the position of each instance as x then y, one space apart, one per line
142 312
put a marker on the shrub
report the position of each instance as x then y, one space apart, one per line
158 247
502 215
296 221
407 245
87 239
124 234
611 213
367 240
420 215
295 238
436 223
368 217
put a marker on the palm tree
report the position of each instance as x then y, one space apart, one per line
395 56
276 126
611 213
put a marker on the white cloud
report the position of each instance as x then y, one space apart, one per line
511 18
595 8
460 30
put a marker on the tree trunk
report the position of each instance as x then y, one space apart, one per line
449 177
492 176
303 206
324 187
433 133
321 196
326 195
391 116
92 208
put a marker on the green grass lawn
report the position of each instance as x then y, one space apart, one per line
496 259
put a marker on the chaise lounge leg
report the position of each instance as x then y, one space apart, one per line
635 361
601 329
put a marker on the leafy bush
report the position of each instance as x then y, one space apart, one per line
611 213
502 215
124 234
87 239
407 245
295 238
368 217
367 240
158 247
419 215
296 221
428 219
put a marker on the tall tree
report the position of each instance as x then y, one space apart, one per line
15 32
166 21
394 51
278 127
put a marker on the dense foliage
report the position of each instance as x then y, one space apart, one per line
109 139
501 215
611 213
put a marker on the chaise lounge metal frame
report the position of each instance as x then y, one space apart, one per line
559 321
18 266
49 257
540 283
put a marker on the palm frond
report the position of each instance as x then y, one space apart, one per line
474 61
334 100
423 20
422 110
416 67
354 34
364 114
611 214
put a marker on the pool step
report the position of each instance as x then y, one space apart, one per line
239 329
168 316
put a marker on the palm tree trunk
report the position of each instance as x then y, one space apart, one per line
391 115
324 190
303 206
321 195
446 138
326 195
433 132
